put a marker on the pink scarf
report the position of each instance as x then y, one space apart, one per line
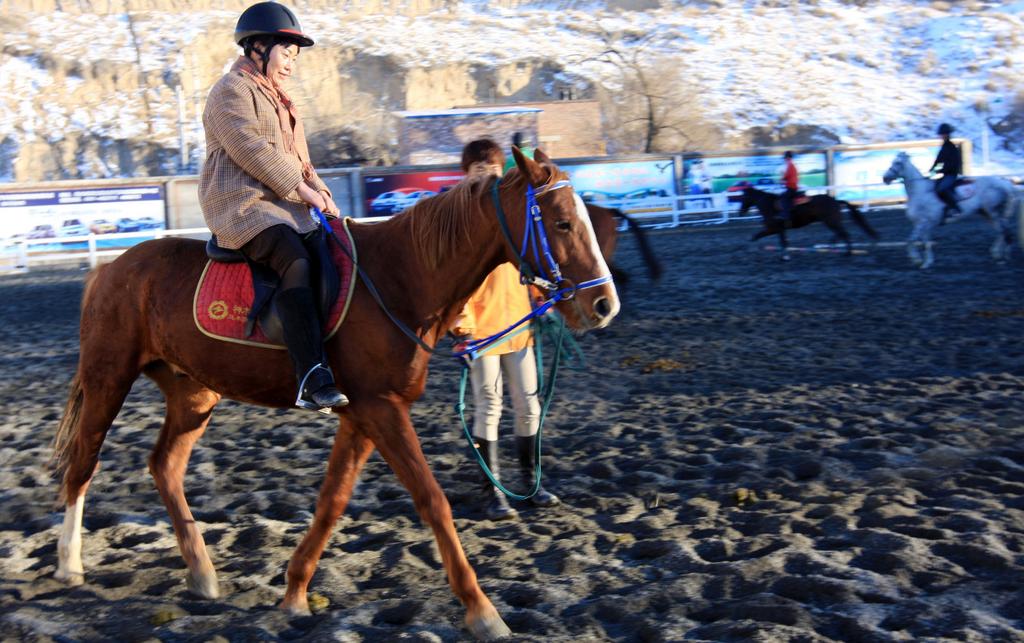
291 124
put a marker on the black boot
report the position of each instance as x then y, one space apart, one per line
497 507
527 466
952 208
302 336
317 391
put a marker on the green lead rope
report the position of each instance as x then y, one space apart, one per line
566 347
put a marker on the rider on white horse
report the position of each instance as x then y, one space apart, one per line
950 160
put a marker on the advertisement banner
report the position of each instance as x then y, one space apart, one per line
620 180
388 194
731 174
854 167
76 212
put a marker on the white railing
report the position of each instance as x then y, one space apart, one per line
705 209
723 207
650 212
24 252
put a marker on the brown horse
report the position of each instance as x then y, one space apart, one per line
606 229
137 319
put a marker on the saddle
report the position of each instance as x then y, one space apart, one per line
234 296
962 189
799 199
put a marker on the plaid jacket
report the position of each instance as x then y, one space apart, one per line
248 182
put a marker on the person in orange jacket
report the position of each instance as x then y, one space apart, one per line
791 181
497 304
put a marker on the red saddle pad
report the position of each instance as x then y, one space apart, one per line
224 295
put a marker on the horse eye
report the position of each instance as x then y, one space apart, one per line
563 225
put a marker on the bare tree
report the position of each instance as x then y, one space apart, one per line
650 101
148 115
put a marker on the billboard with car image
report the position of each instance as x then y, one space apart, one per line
620 180
390 192
57 215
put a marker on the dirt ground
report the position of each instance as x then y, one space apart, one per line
825 449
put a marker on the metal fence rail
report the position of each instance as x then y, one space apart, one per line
18 256
650 212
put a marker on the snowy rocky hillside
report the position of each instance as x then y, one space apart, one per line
90 90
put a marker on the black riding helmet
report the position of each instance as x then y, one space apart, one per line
270 19
272 22
945 128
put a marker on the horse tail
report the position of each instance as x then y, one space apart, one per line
67 429
859 219
653 265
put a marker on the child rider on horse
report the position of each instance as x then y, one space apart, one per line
949 158
257 184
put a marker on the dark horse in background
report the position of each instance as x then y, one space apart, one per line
605 222
805 211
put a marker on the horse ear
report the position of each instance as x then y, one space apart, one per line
530 168
541 157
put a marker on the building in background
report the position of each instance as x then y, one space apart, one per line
563 129
569 128
437 136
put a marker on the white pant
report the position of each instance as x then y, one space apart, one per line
485 373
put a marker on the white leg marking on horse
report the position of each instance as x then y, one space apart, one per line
69 545
929 256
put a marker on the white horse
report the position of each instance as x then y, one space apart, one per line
992 197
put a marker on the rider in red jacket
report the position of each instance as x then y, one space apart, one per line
790 179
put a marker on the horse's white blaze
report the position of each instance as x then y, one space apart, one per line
69 545
613 295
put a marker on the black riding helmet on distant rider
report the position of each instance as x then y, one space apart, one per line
945 128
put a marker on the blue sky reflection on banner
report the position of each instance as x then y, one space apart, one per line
622 179
855 167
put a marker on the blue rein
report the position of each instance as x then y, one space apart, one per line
535 238
559 289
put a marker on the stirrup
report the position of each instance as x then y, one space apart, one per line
307 400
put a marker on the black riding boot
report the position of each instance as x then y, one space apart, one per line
952 208
497 507
302 336
527 465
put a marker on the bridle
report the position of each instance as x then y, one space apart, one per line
535 239
898 170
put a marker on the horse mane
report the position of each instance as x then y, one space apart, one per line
441 224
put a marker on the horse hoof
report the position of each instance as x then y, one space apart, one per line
203 585
297 611
490 628
69 577
786 257
296 608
